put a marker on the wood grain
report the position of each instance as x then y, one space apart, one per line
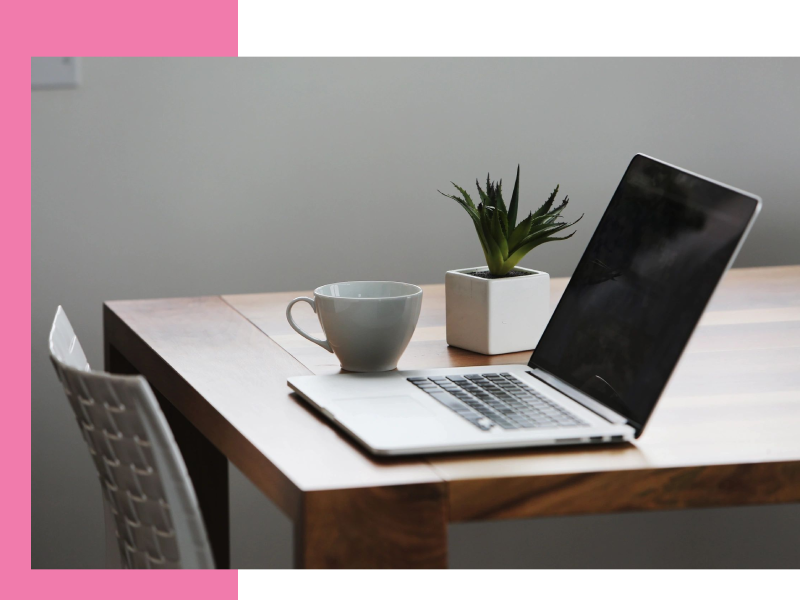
395 526
625 490
229 380
734 400
724 433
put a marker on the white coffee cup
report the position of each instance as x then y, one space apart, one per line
368 324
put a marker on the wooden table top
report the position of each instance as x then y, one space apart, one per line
726 431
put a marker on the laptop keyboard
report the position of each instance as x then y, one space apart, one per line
496 399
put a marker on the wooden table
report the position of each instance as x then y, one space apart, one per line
725 433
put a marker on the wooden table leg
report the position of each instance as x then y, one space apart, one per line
207 466
387 527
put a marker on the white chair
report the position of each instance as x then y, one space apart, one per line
152 515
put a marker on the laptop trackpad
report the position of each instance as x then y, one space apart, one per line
390 421
391 407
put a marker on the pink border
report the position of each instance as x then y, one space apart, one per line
19 580
412 27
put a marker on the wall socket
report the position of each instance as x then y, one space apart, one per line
54 72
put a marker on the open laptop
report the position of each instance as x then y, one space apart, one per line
661 247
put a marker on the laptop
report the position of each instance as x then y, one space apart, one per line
640 288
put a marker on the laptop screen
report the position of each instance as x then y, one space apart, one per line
641 286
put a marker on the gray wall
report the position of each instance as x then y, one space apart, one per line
166 177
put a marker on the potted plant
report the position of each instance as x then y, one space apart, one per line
501 307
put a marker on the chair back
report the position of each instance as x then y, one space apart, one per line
144 480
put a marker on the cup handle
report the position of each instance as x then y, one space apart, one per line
323 343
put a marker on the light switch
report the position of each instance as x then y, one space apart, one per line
53 72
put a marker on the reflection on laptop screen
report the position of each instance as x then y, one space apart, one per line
641 286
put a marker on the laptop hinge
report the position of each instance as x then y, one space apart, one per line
601 410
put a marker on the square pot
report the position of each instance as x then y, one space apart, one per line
496 316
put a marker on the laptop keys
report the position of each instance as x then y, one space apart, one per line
490 399
453 402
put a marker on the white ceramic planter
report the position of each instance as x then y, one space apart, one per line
496 316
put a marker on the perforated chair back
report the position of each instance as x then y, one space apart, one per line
146 486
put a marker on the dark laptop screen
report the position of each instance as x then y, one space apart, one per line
641 286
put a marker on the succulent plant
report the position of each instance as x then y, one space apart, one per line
504 241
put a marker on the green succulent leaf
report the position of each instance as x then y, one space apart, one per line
517 256
484 197
485 223
543 232
520 231
556 212
469 207
514 205
545 208
499 235
465 194
503 218
503 241
494 256
498 198
482 238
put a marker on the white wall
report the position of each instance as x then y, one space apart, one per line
166 177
